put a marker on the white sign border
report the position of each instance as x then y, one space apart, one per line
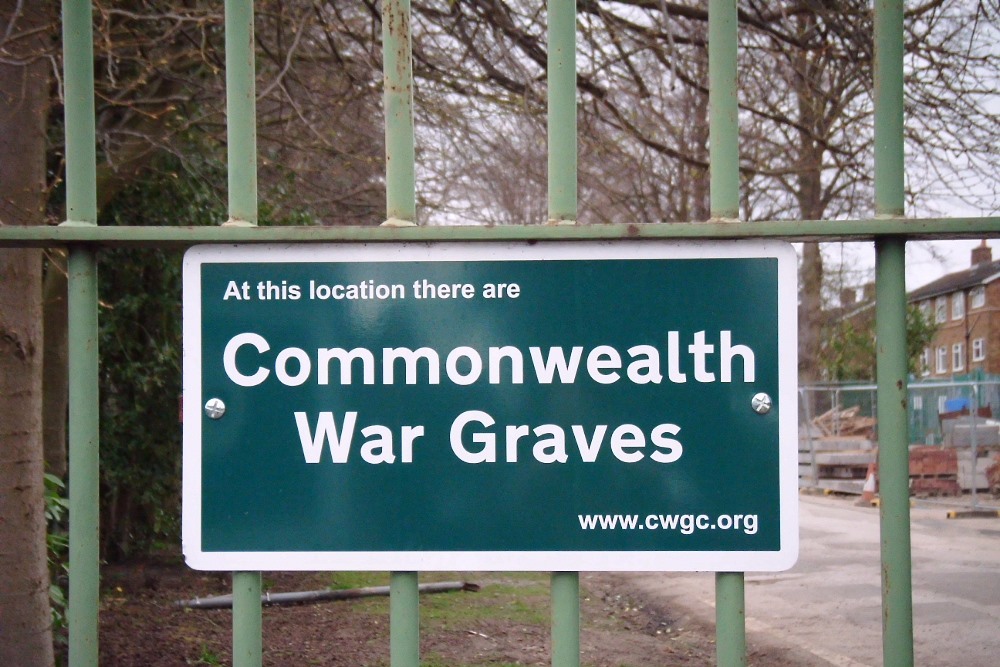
652 561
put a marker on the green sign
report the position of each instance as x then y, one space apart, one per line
481 406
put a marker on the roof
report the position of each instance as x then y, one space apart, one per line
979 274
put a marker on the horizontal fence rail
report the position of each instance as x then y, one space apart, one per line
889 229
912 229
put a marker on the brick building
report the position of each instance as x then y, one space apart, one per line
966 308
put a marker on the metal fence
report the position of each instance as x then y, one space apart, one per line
930 407
889 229
931 403
839 430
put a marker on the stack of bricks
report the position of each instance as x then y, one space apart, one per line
933 471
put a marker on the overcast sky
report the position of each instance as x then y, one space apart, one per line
925 260
922 267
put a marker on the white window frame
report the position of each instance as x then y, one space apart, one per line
978 349
918 402
942 359
941 401
958 305
977 297
925 361
926 308
941 309
958 357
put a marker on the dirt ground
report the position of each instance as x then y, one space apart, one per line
505 623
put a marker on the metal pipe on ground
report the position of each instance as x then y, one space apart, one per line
300 597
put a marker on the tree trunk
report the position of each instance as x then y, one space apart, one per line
55 372
809 196
811 308
25 619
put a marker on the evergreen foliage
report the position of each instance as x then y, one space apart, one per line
848 350
140 348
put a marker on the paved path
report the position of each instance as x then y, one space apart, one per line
829 604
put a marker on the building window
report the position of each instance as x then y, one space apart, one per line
918 402
925 361
925 309
977 297
942 359
941 402
958 356
941 309
978 349
958 305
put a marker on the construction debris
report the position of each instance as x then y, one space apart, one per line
976 440
845 422
837 447
836 450
933 471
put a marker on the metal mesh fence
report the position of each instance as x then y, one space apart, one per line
934 412
838 435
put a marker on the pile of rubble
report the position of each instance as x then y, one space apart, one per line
839 422
934 471
836 450
837 447
962 434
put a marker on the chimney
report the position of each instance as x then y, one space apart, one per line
982 254
848 296
869 292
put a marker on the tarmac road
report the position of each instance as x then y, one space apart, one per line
828 606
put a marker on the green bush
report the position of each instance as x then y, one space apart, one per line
140 351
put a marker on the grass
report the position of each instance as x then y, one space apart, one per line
435 660
207 657
516 597
526 601
341 581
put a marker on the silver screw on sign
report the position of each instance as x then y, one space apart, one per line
761 403
215 408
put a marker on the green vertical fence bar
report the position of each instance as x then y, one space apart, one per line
562 153
893 454
889 180
724 176
730 620
565 619
397 82
723 126
83 458
241 146
890 332
404 620
247 620
562 195
81 152
401 209
241 112
81 210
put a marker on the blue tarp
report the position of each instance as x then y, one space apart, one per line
956 404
